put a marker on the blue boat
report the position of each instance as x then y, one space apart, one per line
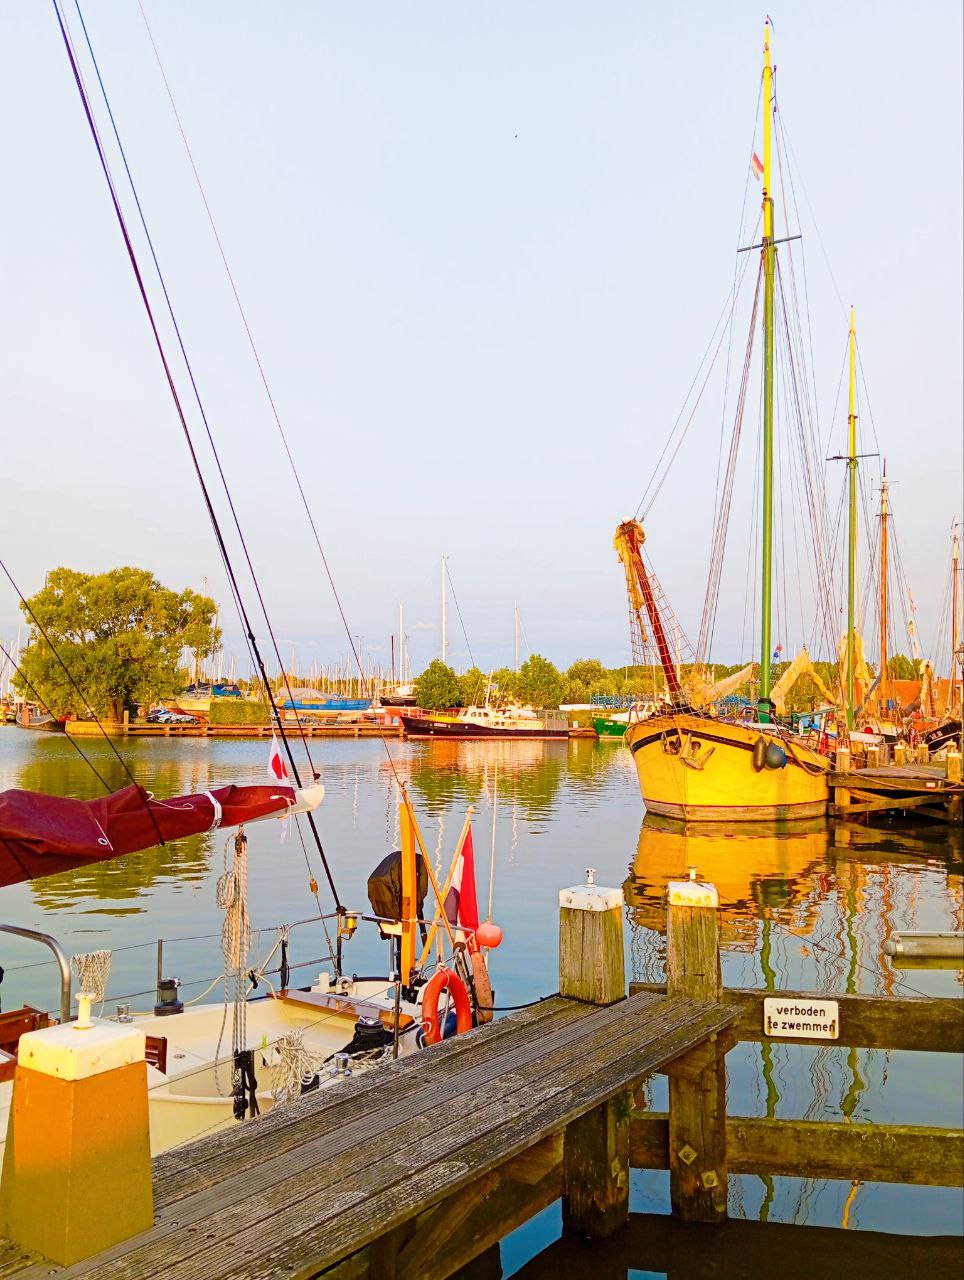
310 700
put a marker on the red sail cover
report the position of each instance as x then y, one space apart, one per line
40 834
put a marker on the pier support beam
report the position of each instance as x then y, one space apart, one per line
697 1081
596 1151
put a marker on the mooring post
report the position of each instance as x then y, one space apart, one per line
596 1151
900 753
77 1164
697 1081
953 765
841 795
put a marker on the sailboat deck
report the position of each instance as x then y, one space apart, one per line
475 1121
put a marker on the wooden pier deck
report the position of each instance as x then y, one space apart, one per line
410 1169
924 788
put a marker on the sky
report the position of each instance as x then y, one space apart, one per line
482 249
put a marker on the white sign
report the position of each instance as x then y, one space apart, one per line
791 1018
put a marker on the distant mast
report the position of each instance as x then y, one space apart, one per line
952 701
852 527
769 255
445 642
882 686
516 620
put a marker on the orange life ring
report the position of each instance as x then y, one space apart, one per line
444 980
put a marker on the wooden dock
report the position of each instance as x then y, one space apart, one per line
411 1169
415 1168
925 789
138 729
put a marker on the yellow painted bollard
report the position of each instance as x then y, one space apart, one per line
77 1164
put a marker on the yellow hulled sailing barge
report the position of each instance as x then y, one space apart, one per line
692 765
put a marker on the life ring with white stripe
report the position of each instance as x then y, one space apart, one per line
444 980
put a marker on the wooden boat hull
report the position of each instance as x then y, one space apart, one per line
698 769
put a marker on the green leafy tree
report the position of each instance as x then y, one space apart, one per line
540 683
120 634
438 687
586 677
505 686
472 686
900 667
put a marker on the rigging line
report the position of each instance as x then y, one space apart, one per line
261 371
212 515
459 612
194 386
686 400
70 738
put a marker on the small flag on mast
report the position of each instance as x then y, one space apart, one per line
277 768
776 653
756 164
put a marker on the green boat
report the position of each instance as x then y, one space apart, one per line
610 730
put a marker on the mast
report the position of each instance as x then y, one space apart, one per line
882 686
401 644
852 526
516 619
445 643
955 633
769 256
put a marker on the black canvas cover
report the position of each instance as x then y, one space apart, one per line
385 886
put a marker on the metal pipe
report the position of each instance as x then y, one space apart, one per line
36 936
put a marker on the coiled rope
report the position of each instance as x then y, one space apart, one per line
92 970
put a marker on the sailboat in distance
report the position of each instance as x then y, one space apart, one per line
690 764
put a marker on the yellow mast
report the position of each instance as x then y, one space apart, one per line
882 686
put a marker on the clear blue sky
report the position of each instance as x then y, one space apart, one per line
482 249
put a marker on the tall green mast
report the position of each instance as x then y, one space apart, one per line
769 258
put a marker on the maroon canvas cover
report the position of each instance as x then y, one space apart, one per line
41 834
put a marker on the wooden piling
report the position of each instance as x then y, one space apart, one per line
953 765
900 753
697 1081
841 795
596 1150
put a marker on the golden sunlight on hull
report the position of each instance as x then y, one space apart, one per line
700 769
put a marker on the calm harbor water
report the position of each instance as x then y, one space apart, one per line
806 909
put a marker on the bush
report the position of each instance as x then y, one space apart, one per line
237 711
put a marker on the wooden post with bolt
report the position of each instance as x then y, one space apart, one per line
596 1150
77 1164
697 1081
841 795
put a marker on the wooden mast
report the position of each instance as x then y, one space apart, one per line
769 255
882 686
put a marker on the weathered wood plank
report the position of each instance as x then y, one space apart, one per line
924 1023
818 1149
308 1181
179 1174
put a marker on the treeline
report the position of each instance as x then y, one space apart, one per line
539 683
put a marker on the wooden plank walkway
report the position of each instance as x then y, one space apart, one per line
922 787
429 1159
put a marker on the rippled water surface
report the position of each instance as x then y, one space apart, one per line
808 909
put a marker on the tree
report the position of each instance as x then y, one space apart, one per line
472 687
119 634
505 685
900 667
585 677
540 684
438 687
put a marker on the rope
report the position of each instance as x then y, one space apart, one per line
92 970
232 897
296 1066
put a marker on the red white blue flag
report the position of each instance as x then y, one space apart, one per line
756 164
461 903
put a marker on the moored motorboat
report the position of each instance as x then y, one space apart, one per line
485 722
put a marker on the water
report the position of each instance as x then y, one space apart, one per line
809 909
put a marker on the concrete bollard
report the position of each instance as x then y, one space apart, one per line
596 1146
77 1164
